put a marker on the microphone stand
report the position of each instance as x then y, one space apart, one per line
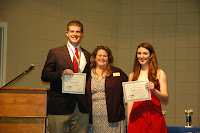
21 75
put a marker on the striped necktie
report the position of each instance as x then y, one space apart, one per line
75 62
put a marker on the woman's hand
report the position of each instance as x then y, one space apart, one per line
162 94
150 85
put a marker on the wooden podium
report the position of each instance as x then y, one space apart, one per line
23 110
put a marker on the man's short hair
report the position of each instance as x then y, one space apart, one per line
75 23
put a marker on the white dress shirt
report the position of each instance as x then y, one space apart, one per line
82 58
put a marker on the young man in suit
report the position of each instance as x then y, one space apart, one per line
67 111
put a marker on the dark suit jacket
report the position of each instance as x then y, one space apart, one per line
58 103
114 96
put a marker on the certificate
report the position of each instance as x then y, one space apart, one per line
74 84
136 91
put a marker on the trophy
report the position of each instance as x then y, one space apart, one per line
188 117
164 113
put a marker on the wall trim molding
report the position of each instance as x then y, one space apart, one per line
3 52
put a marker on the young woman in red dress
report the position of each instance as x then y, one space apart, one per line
146 116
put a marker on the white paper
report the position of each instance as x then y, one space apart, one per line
74 84
136 91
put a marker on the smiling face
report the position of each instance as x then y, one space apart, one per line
143 56
101 59
74 35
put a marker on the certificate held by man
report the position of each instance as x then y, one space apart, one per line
136 91
74 84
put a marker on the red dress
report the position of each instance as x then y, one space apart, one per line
146 117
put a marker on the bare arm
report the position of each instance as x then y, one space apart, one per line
163 93
129 104
129 108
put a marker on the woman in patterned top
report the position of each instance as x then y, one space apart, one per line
105 93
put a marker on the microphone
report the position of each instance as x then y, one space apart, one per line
30 68
20 76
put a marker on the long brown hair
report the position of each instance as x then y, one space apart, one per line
153 65
110 59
